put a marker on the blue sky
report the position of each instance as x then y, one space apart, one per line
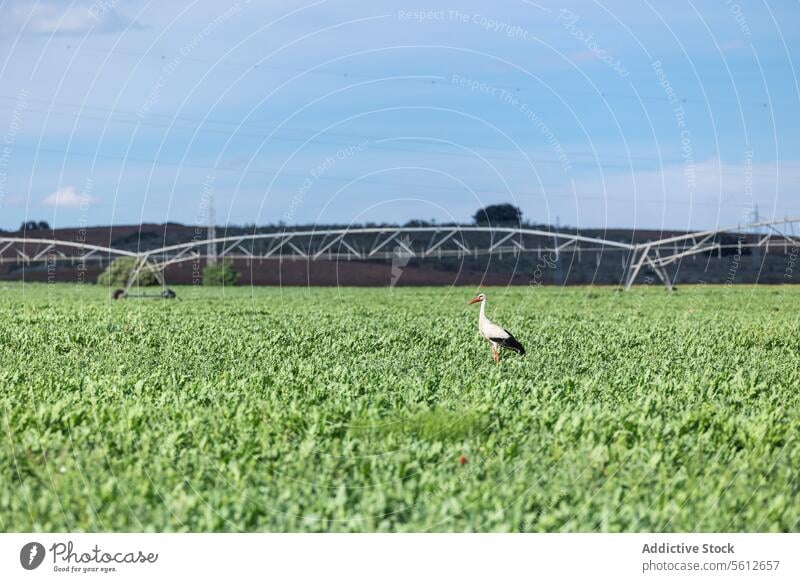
593 114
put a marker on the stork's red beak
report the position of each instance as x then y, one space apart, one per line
476 300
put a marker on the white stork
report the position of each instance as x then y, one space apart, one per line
494 334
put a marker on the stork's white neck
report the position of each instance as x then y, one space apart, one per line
483 309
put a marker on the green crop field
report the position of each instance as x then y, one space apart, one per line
377 410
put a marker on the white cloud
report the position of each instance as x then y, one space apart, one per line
67 197
55 18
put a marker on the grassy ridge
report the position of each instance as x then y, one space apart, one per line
348 409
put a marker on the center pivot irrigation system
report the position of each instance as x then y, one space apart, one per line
389 243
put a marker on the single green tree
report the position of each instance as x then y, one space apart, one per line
498 215
118 272
221 273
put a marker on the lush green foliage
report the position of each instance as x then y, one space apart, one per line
341 409
221 273
498 215
118 272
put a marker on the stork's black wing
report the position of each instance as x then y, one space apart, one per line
510 342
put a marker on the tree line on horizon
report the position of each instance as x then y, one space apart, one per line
491 215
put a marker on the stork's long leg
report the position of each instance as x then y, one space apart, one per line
496 353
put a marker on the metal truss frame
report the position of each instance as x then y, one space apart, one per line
660 253
382 243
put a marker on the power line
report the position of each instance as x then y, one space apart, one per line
482 191
431 81
520 157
